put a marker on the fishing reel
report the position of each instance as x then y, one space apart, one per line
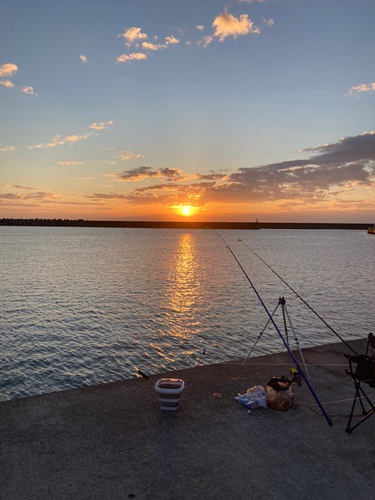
295 376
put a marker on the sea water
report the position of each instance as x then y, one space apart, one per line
83 306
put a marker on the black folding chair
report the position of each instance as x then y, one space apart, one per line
364 373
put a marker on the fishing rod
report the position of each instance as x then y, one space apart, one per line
278 331
299 296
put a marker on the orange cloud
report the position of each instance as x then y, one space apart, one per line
363 87
100 126
129 155
227 25
7 83
83 59
71 162
28 90
133 35
8 70
137 56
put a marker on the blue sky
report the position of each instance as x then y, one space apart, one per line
135 109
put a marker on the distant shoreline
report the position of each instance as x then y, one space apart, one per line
182 224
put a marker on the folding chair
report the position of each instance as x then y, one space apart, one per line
364 373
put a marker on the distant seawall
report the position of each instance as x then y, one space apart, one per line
182 224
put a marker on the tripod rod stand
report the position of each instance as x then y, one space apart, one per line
285 318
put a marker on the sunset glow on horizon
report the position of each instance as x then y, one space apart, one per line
166 110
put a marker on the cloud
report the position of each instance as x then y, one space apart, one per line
100 126
269 22
8 148
200 27
75 138
331 171
129 155
8 70
71 162
37 195
57 140
133 35
369 87
140 173
83 59
211 177
28 90
7 83
227 25
137 56
170 40
151 46
54 142
206 41
18 186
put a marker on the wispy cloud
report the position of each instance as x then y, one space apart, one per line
151 46
171 40
37 195
8 148
129 155
100 126
135 37
71 162
83 58
268 21
7 83
55 141
200 27
363 87
140 173
136 56
28 188
58 141
8 70
75 138
28 90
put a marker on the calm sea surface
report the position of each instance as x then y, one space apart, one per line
85 306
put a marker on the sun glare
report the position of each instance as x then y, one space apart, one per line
186 210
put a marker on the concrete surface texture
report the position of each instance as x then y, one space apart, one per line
113 442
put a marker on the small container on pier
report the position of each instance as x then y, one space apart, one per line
169 391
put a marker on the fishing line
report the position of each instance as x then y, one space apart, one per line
299 296
278 331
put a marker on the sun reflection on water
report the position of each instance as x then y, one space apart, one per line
184 288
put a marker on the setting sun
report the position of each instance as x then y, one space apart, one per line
186 210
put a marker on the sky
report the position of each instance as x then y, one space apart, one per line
202 109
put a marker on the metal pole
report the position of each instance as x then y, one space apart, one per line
296 339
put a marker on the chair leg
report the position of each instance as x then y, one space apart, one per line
360 399
348 429
366 414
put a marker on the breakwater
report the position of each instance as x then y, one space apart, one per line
182 224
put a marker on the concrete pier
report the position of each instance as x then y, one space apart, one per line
113 442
